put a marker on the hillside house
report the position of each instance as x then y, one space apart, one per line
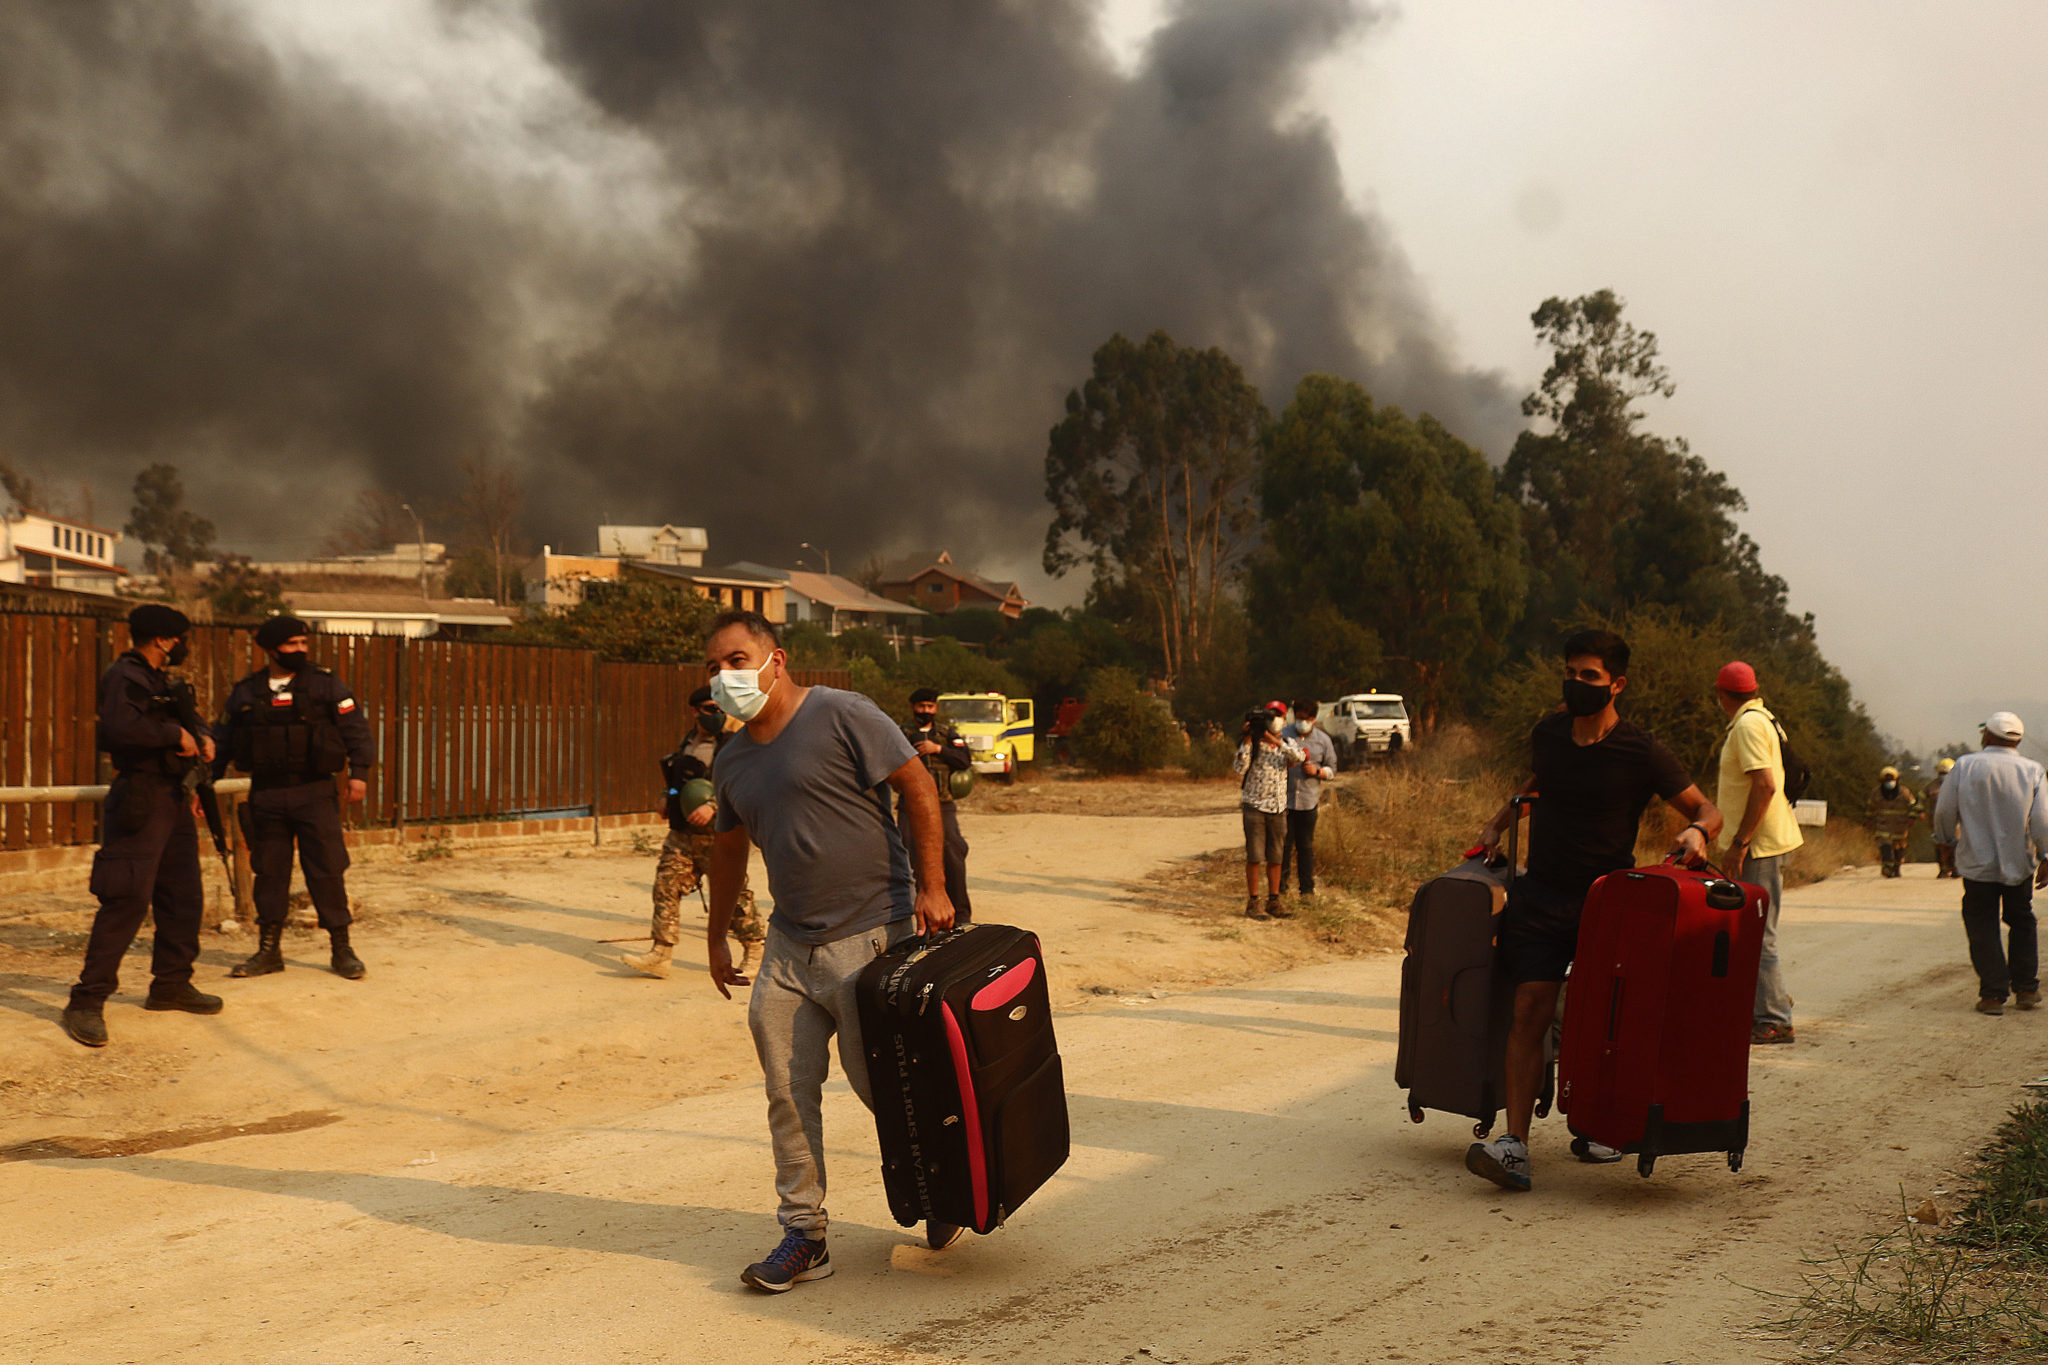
47 551
836 603
933 582
559 580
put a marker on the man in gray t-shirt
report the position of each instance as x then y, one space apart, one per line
806 780
816 802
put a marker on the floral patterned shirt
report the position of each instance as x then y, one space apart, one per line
1264 770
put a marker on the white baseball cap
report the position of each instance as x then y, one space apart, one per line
2004 725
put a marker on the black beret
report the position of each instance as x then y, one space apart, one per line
278 629
155 621
924 694
699 697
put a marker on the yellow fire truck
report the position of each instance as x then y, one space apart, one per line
997 729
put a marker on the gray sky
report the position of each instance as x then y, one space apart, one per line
1832 215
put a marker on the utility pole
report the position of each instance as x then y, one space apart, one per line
420 528
806 545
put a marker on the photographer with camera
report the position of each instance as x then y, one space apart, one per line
1263 758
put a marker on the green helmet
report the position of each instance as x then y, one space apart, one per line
696 792
961 782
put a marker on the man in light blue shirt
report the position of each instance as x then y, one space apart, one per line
1305 794
1993 811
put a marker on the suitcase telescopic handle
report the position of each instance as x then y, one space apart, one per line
1515 806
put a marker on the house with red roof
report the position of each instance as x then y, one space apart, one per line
932 582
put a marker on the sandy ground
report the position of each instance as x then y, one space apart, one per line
499 1147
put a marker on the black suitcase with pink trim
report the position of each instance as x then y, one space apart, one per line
970 1102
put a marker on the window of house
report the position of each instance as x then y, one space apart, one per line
935 587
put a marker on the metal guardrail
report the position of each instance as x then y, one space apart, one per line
41 796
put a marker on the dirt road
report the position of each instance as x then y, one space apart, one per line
501 1148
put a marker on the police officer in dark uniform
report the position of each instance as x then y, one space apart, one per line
292 726
944 753
148 860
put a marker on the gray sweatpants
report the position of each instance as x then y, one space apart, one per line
1773 1004
802 995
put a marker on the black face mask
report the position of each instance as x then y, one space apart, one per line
292 660
925 722
179 653
710 722
1586 699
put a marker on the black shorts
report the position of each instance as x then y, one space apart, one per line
1539 932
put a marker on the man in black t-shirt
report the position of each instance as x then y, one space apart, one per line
1594 775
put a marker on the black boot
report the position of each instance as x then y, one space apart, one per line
86 1024
183 996
344 961
268 956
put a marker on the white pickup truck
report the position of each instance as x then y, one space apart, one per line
1367 723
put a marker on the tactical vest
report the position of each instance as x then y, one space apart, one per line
678 768
283 734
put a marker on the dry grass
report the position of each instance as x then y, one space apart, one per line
1397 825
1073 791
1385 831
1382 833
1974 1290
1841 844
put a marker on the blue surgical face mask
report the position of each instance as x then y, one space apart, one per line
738 692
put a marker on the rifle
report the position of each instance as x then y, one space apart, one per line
197 779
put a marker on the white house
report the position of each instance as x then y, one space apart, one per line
836 603
684 545
58 552
557 580
399 613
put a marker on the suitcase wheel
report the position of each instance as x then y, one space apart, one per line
1543 1109
1482 1128
1735 1161
1415 1113
1645 1164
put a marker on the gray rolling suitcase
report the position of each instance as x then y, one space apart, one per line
1455 1008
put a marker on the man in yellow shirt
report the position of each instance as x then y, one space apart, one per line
1762 830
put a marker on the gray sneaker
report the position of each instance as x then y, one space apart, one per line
1594 1153
1504 1161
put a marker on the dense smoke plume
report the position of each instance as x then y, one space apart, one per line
790 269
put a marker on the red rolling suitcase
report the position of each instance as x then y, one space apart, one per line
1656 1024
970 1101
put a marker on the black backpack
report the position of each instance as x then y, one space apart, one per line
1798 773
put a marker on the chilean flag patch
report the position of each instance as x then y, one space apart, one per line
280 699
346 704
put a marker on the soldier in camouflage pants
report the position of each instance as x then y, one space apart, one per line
686 853
685 865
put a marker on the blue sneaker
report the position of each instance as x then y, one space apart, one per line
799 1258
1504 1161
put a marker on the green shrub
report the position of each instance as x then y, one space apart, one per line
1124 730
1209 754
634 622
950 666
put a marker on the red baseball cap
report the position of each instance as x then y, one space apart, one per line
1736 676
1276 706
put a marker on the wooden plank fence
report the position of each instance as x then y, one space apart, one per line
466 730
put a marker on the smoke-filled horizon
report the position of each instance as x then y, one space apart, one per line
786 269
